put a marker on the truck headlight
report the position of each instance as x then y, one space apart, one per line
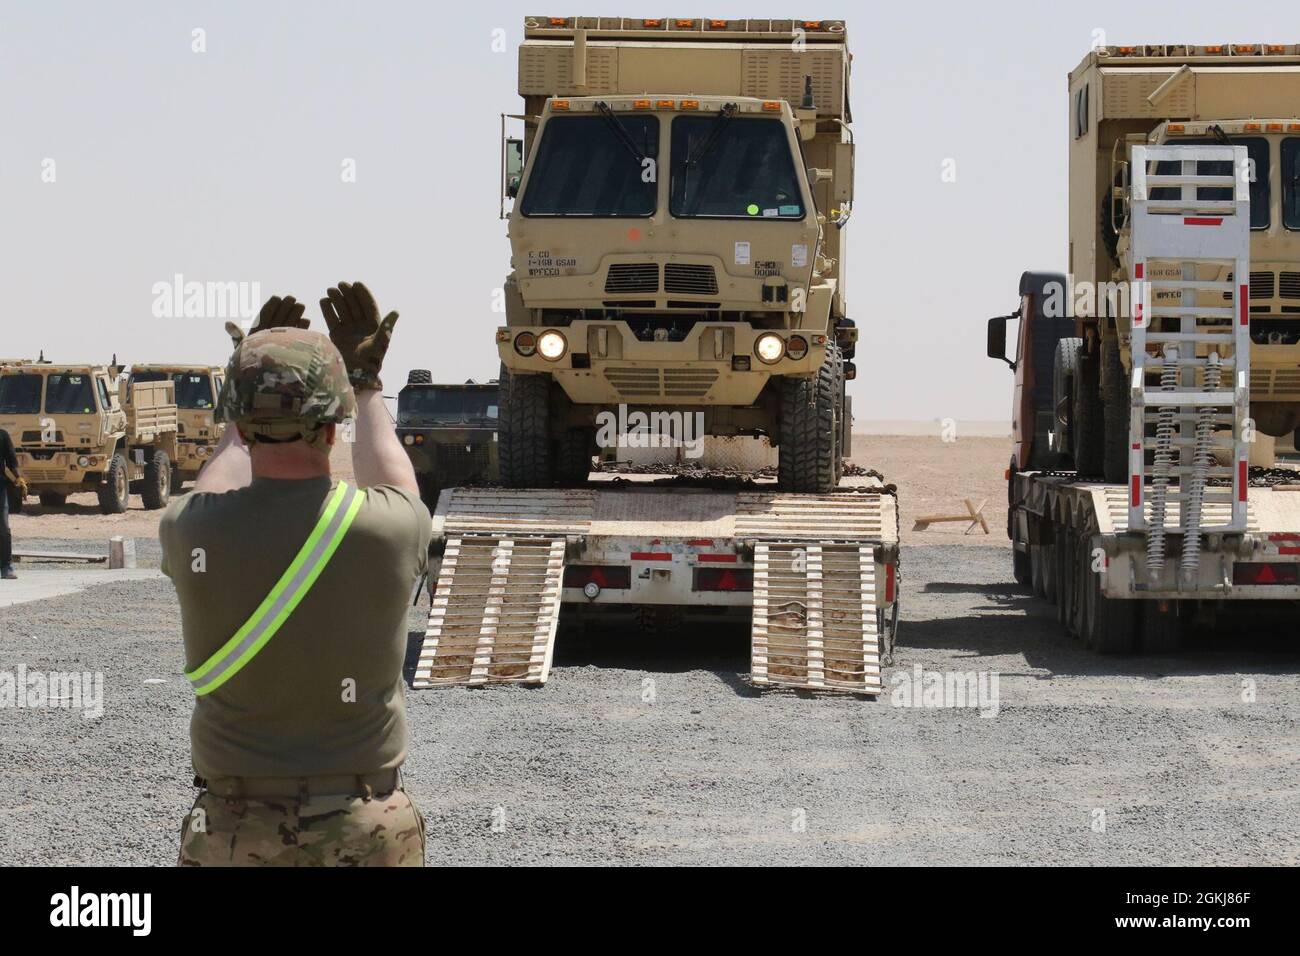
769 348
551 345
83 461
525 344
409 439
797 347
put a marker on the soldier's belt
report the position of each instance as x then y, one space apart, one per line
352 784
287 594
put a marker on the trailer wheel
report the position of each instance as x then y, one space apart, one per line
1051 581
1088 435
52 499
419 376
1115 396
1021 567
573 456
1111 622
157 486
1162 627
809 437
839 414
523 430
1036 570
1065 378
1063 552
178 482
114 489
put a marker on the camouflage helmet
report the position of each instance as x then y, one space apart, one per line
285 383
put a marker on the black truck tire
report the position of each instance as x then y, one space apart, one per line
115 489
419 376
156 489
1088 435
1065 377
1115 396
809 433
573 456
523 435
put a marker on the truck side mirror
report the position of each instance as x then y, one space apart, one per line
514 167
997 344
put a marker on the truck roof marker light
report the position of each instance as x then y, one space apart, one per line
652 24
718 24
812 24
640 104
689 105
665 104
1275 127
559 104
1276 48
557 21
1252 127
1214 50
1293 127
1244 48
771 106
1177 128
684 24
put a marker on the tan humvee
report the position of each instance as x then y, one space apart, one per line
198 431
1246 95
681 187
74 432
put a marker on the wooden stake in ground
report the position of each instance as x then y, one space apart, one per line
974 514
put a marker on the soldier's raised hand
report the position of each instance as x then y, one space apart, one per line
356 330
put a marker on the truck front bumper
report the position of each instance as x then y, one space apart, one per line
715 363
62 468
191 456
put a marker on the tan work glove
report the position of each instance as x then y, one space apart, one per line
276 313
356 330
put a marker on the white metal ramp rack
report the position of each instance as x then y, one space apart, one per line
1191 351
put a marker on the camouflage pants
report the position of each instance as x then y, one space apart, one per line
318 831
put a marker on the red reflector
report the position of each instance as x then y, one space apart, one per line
1284 536
608 576
1138 269
1202 221
890 572
723 579
717 558
652 555
1135 494
1265 574
700 542
1288 550
1245 305
1242 480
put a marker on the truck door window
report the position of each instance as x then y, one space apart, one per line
741 170
68 393
583 167
1256 147
1291 183
20 394
104 401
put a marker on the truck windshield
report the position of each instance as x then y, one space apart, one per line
1291 182
436 406
193 389
20 394
741 169
1256 147
69 393
584 167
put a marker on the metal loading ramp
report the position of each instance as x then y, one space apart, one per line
493 617
814 623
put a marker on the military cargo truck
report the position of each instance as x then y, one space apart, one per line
682 187
198 431
74 431
1155 96
449 432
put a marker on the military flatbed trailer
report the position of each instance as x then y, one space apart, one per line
816 576
1073 546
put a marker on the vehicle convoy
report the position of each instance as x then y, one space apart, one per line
1143 378
197 430
677 238
449 432
714 289
74 430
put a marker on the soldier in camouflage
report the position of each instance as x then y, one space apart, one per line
299 727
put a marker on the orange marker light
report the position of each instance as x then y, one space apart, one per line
1293 127
559 104
640 104
1243 48
1252 127
1177 128
689 104
771 106
1276 48
558 21
1215 50
718 24
665 104
652 24
812 24
684 24
1275 127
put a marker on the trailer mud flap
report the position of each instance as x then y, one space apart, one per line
493 616
814 623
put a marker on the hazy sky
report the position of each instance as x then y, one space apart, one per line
225 166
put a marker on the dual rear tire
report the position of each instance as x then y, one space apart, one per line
811 411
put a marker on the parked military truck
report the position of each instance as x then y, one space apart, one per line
197 430
677 238
1155 96
449 432
75 431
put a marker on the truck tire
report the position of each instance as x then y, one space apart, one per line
1065 376
156 489
114 488
1021 567
178 482
429 489
15 499
419 376
52 499
809 436
1162 629
1063 553
1088 436
1111 622
573 456
839 414
1115 397
523 431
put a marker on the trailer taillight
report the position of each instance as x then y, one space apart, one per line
605 576
1260 573
723 579
891 582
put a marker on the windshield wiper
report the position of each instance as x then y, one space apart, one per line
620 131
715 132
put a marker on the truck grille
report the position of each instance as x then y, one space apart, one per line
1274 382
456 463
34 438
690 279
47 474
632 277
1262 285
1291 285
672 383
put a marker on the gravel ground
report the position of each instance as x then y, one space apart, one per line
586 770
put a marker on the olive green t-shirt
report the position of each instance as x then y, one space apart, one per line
324 695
